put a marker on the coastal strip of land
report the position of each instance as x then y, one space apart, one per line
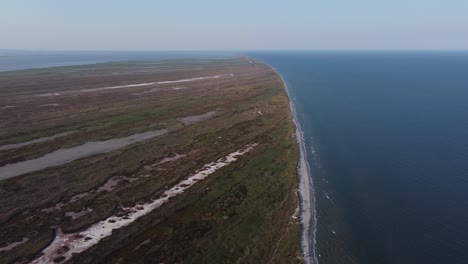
153 172
306 190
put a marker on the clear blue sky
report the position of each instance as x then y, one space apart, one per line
233 25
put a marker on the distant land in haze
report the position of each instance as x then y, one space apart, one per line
23 59
28 59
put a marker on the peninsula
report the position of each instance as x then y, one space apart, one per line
167 161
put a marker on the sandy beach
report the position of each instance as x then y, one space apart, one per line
306 191
64 245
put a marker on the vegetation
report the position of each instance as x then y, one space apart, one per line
245 212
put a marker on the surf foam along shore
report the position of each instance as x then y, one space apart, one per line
306 189
64 246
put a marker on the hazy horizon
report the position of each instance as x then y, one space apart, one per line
240 51
209 25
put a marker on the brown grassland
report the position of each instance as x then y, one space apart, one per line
245 212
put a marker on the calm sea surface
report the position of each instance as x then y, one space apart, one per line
388 141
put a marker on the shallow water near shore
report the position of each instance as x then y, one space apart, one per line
386 140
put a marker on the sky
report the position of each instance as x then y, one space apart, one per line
147 25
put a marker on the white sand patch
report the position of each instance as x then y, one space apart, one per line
81 241
306 192
142 244
8 106
113 182
141 84
154 83
118 87
56 207
44 139
49 94
297 212
79 196
257 111
158 90
308 202
14 244
110 184
165 160
189 120
75 215
198 78
116 180
149 91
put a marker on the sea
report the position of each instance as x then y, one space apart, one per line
387 142
387 138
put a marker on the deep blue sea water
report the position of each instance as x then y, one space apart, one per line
388 139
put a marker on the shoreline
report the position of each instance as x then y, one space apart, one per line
100 210
305 190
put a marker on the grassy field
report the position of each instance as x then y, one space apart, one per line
245 212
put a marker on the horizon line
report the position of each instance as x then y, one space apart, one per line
237 50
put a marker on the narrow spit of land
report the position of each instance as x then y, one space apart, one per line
306 190
216 184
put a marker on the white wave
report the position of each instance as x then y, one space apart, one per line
306 190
